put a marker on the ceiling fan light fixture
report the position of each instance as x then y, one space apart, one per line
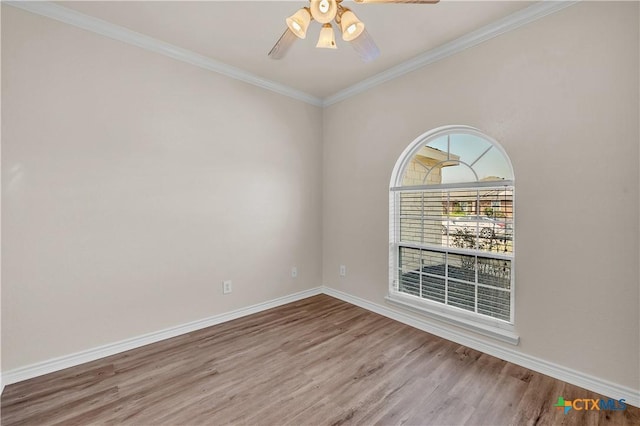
324 11
327 39
350 25
299 22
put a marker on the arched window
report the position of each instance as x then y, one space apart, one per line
451 231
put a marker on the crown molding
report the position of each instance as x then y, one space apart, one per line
501 26
116 32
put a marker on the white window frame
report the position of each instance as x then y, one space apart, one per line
478 323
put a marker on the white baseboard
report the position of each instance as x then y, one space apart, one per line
60 363
595 384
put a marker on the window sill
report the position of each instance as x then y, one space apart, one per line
499 331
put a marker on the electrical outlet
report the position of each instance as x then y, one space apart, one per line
294 271
226 287
343 271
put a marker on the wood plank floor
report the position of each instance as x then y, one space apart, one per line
318 361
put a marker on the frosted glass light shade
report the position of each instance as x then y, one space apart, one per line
324 11
327 39
350 25
299 22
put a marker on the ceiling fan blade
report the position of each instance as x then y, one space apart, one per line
398 1
280 49
365 47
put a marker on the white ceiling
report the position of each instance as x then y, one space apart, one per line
241 33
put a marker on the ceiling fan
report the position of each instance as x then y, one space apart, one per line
324 11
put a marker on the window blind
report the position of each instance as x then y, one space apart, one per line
455 247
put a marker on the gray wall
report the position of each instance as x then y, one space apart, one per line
561 96
134 184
